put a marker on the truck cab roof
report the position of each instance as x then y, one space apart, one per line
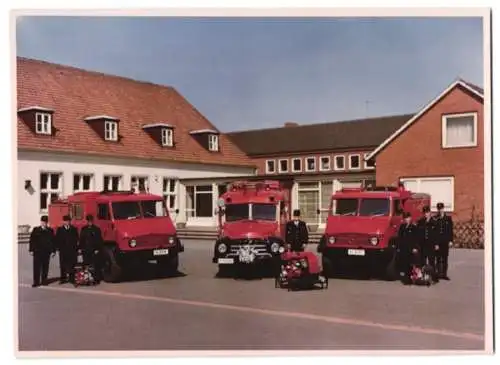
109 196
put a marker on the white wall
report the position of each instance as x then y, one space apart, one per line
31 164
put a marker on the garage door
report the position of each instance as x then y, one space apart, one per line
441 189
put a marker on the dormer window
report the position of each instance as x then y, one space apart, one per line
162 133
213 142
105 126
38 119
43 123
167 137
208 138
110 130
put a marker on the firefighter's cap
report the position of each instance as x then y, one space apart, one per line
44 219
296 213
426 209
66 218
89 217
440 206
406 215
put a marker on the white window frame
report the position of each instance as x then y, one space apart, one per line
335 166
293 161
111 130
167 193
444 120
195 193
281 171
350 161
450 178
167 137
306 167
138 177
110 182
267 167
366 162
39 125
48 190
321 163
213 142
80 181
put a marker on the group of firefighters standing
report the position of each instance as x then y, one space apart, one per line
427 242
44 243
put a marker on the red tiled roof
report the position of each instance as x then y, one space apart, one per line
76 94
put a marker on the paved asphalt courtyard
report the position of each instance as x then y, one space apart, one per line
195 311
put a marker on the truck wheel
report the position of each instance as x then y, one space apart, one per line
111 271
225 271
327 264
391 273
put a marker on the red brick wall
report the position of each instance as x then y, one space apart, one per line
261 162
417 152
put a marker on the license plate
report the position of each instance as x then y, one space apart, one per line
225 261
352 252
160 252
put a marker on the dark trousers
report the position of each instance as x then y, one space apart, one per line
442 258
41 262
67 261
429 257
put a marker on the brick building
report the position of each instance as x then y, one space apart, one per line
315 160
440 151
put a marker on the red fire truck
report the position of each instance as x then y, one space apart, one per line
136 228
362 227
252 220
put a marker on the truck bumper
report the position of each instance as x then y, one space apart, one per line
149 255
361 255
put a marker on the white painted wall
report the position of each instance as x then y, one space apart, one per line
31 164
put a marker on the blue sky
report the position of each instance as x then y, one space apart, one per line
246 73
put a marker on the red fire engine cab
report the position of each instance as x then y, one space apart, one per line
252 220
136 228
362 227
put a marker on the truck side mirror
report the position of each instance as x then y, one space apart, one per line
177 211
318 211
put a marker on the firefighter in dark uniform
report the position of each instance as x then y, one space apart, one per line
428 240
41 247
407 247
297 235
444 225
67 245
91 245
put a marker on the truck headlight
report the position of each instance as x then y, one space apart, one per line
281 249
132 243
331 240
275 247
374 241
222 248
171 240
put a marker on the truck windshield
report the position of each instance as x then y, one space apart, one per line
126 210
153 208
374 207
345 206
237 212
264 212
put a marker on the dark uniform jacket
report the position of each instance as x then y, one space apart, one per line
296 234
427 234
90 239
444 228
407 238
42 241
67 240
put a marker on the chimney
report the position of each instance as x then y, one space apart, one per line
291 124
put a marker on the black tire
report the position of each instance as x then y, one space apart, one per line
327 264
225 271
391 273
111 271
